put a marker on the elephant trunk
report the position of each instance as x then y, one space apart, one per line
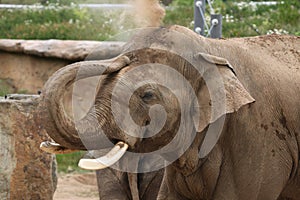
52 115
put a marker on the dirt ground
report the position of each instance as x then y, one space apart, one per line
76 187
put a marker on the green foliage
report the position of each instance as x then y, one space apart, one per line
61 2
17 1
60 23
187 3
6 87
3 88
72 22
22 91
282 18
181 13
69 162
243 21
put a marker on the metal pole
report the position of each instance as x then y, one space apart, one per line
199 21
216 24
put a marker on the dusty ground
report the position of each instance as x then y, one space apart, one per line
76 187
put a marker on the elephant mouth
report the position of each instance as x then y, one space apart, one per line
113 156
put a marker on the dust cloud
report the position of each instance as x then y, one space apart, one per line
147 13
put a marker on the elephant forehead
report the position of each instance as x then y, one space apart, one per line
164 38
153 74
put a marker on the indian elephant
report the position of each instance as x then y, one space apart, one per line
227 119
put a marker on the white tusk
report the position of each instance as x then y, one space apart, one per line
52 147
105 161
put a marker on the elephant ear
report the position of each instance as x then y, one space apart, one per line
220 92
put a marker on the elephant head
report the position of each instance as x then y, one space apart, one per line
156 96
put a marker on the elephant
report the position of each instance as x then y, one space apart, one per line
221 116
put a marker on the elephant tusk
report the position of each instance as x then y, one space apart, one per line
115 154
52 147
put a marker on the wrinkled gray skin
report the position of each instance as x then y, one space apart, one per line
257 154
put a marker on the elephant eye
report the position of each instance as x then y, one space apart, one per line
147 96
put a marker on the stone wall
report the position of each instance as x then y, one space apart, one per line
23 73
25 171
25 65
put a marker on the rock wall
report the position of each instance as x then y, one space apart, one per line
25 65
23 73
25 171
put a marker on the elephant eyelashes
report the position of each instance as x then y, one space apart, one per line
147 96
